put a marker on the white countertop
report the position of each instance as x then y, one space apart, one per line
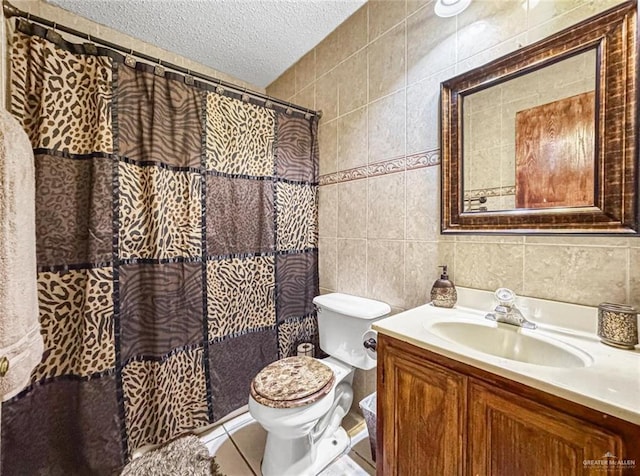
611 383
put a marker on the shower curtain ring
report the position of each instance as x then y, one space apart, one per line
189 79
159 70
89 47
129 60
219 88
245 96
52 35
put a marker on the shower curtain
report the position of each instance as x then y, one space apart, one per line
176 234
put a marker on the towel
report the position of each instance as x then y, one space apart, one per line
20 339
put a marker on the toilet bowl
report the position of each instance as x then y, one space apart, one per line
301 401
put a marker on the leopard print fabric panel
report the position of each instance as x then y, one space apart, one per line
160 213
239 137
76 315
63 100
74 223
241 295
295 331
297 212
164 399
240 216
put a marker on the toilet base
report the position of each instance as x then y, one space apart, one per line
312 463
329 449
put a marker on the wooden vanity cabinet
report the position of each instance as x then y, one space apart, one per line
424 412
439 417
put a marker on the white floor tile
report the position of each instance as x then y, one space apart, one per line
364 464
230 460
243 433
363 449
250 440
344 466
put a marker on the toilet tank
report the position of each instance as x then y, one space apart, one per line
342 321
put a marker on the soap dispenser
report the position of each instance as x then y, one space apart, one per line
443 292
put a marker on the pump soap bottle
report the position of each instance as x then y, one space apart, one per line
443 292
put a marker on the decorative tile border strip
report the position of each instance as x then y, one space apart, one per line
423 159
399 164
490 192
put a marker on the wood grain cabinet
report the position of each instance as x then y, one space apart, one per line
439 417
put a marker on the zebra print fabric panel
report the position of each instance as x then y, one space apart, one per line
297 278
160 308
296 152
159 120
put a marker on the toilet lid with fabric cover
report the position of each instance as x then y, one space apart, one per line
292 382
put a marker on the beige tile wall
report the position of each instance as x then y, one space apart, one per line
66 18
376 78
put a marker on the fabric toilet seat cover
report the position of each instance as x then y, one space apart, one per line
292 382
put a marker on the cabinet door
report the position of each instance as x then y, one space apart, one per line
511 435
423 410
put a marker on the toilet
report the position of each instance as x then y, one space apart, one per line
301 401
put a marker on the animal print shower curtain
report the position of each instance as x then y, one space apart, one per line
176 246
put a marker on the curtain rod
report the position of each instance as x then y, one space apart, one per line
11 11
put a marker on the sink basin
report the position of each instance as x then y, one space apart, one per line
513 343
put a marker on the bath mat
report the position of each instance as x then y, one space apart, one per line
185 456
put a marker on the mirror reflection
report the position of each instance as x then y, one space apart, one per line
529 142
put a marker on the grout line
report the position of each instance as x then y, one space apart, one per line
246 461
404 236
368 149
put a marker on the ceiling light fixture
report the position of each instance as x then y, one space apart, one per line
450 8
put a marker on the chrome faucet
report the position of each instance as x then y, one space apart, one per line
507 312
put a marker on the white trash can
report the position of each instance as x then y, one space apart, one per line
368 407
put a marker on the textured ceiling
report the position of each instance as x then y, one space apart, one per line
253 40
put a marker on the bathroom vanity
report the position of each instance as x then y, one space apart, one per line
453 400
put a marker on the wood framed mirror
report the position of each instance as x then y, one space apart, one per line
544 140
